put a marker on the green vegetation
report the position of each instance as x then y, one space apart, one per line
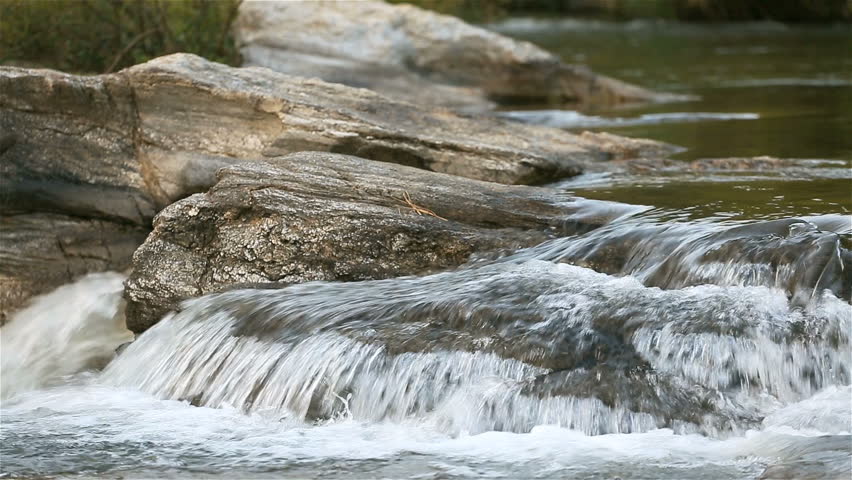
106 35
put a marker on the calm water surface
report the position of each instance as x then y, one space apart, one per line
765 89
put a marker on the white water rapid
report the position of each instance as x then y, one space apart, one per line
73 328
667 366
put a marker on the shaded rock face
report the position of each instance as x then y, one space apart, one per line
41 251
318 216
68 146
410 53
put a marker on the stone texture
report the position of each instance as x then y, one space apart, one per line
156 132
414 54
120 147
319 216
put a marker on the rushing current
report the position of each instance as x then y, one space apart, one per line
704 336
528 365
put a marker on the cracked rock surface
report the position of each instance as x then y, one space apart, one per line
320 216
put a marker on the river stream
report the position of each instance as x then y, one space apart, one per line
705 335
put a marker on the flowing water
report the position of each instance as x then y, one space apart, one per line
701 337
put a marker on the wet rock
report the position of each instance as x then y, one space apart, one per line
319 216
772 166
801 257
527 343
41 251
416 55
674 403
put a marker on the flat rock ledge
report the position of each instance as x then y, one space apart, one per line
320 216
156 132
417 55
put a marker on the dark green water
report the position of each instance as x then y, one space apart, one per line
774 90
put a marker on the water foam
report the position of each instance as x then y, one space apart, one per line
802 257
574 119
75 327
488 348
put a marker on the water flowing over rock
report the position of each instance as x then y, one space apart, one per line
41 251
73 328
504 346
414 54
118 148
802 257
319 216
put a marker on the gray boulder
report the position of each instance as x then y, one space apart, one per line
319 216
414 54
156 132
110 151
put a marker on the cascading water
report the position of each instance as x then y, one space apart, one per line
73 328
670 343
801 256
683 373
522 344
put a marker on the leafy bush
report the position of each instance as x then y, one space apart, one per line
107 35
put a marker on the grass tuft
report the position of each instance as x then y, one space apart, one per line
99 36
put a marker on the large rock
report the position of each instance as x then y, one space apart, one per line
118 148
320 216
151 134
411 53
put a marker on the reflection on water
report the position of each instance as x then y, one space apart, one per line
732 200
765 89
797 79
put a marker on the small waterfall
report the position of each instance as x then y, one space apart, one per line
803 257
505 346
75 327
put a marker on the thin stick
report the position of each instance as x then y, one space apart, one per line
418 209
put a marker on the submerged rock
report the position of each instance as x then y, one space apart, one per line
802 257
320 216
414 54
500 346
